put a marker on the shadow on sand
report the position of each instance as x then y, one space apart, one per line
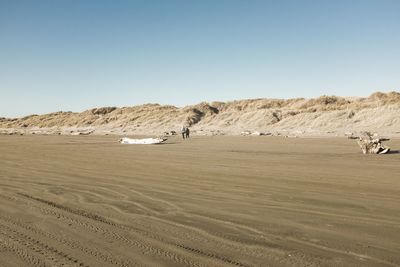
169 143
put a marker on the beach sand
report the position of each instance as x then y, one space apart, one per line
207 201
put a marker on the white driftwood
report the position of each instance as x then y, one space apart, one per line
143 141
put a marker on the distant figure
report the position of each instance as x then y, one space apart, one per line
183 132
187 132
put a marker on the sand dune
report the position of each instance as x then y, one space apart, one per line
320 116
210 201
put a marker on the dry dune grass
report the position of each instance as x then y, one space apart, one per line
313 116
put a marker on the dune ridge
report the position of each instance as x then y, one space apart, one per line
325 115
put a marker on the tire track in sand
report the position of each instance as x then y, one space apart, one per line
30 259
33 251
145 248
70 243
182 246
141 245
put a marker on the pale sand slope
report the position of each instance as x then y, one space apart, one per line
209 201
326 115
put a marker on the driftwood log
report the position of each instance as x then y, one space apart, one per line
371 145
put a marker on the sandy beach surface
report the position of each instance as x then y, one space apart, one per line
207 201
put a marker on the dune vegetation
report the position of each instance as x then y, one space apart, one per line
316 116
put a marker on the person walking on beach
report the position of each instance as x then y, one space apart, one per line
183 132
187 132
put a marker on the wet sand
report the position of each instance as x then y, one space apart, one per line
209 201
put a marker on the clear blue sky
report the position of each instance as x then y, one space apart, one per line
74 55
